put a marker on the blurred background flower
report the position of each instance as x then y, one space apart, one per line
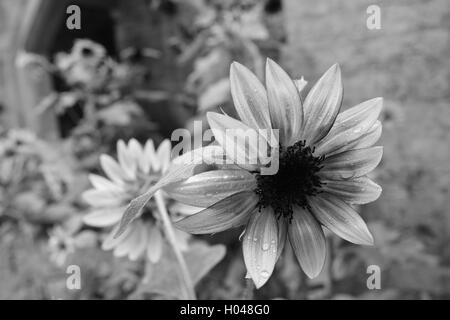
139 168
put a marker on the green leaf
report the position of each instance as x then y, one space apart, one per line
164 277
176 173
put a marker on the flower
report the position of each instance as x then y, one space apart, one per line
137 169
65 239
87 65
323 158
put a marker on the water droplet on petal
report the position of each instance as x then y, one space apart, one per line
264 274
265 246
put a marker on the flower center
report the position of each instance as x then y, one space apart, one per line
295 181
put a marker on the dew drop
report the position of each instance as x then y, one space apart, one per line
265 246
264 274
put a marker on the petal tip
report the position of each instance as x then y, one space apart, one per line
85 219
212 116
336 68
369 241
271 64
259 281
312 273
380 102
234 66
103 157
313 270
366 238
334 72
238 71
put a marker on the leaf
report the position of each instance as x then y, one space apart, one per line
165 279
177 172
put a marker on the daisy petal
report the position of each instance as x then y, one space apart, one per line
228 213
163 154
101 183
112 169
340 218
126 159
355 191
182 239
322 105
209 187
308 242
184 209
249 97
103 217
154 248
125 247
101 198
239 141
142 241
285 106
367 140
137 153
150 154
350 125
351 164
111 242
260 245
212 154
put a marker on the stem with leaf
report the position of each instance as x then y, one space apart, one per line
186 277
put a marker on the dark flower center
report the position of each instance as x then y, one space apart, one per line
295 181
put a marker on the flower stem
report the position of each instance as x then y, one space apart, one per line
186 277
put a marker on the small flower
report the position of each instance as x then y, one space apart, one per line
87 65
137 169
65 239
323 156
60 245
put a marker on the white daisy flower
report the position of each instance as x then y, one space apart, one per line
138 168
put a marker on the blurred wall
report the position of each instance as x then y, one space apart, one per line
407 59
406 62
